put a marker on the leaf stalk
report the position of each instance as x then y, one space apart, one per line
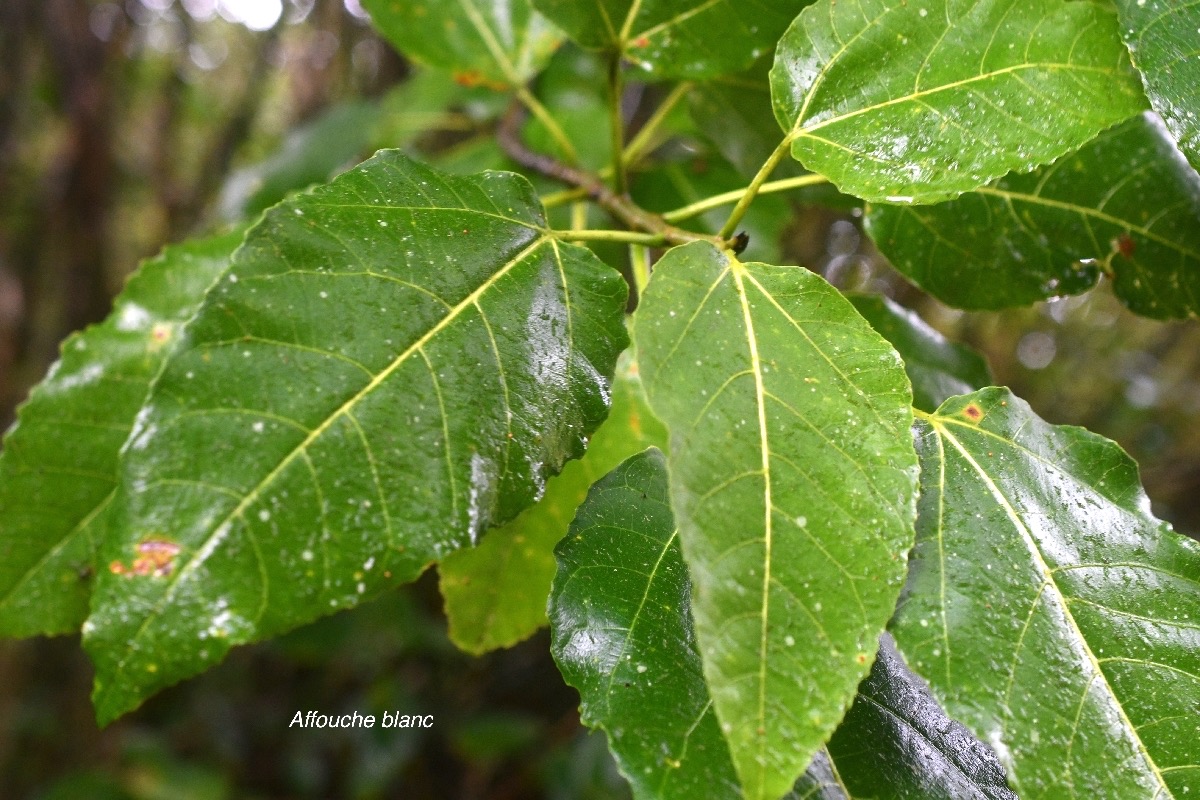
716 201
751 191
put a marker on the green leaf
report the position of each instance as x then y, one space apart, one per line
682 39
501 44
1127 204
938 368
1049 610
734 112
1162 38
311 153
896 742
573 90
393 363
58 469
793 482
496 593
623 637
918 102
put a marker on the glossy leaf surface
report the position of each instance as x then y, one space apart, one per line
500 44
683 39
897 743
623 636
1049 610
394 363
938 368
619 614
496 593
58 468
1127 204
792 480
917 102
1164 39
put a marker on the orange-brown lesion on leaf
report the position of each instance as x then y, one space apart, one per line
471 78
160 334
973 412
155 558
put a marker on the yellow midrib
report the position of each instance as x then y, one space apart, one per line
1048 579
798 130
202 553
737 270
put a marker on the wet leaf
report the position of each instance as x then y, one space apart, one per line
896 743
623 637
1162 37
58 469
684 39
938 368
495 44
496 593
918 102
1049 610
1127 204
793 483
393 363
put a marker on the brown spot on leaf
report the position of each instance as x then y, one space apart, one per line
472 77
635 424
154 558
1124 245
973 412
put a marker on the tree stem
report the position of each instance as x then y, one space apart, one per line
620 206
617 123
639 259
624 237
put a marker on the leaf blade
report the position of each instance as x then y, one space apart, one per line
495 593
1054 231
497 360
627 642
623 636
84 410
1071 574
933 125
752 610
1158 36
938 368
502 44
679 39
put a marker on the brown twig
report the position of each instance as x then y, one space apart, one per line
619 205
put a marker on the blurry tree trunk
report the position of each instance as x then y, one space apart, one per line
80 195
